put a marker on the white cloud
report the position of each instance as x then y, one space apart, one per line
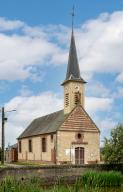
105 126
120 78
27 109
96 104
99 44
7 25
31 107
118 93
25 91
25 49
20 55
97 89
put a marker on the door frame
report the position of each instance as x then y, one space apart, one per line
79 155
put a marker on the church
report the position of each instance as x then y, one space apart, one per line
68 136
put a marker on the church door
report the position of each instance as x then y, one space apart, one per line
53 155
79 155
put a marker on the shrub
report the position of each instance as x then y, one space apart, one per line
102 179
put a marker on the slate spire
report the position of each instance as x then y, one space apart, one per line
73 71
73 66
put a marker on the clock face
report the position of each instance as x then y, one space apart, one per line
77 88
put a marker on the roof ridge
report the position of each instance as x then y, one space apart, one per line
48 114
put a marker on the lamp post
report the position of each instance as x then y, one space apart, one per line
4 119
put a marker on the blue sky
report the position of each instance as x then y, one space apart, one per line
34 45
56 12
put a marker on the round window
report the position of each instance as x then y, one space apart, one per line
79 135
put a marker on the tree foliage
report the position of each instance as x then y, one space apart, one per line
0 153
113 147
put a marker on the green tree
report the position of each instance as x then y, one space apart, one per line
113 147
0 153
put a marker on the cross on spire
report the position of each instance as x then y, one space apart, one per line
73 15
73 71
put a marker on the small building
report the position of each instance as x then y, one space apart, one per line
68 135
11 153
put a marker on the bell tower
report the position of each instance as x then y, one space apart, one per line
73 83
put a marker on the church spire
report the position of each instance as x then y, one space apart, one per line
73 71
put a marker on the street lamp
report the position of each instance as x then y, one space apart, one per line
4 119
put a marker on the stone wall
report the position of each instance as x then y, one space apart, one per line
37 154
90 143
55 171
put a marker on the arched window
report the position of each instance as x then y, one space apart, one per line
43 144
20 148
79 136
51 137
30 145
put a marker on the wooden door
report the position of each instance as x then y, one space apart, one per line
79 155
15 155
53 155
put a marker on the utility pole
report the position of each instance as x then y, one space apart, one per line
2 154
4 119
3 135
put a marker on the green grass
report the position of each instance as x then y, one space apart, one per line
33 185
3 166
89 182
102 179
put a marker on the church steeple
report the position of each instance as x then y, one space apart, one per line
73 83
73 71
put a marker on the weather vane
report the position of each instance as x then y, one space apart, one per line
73 15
